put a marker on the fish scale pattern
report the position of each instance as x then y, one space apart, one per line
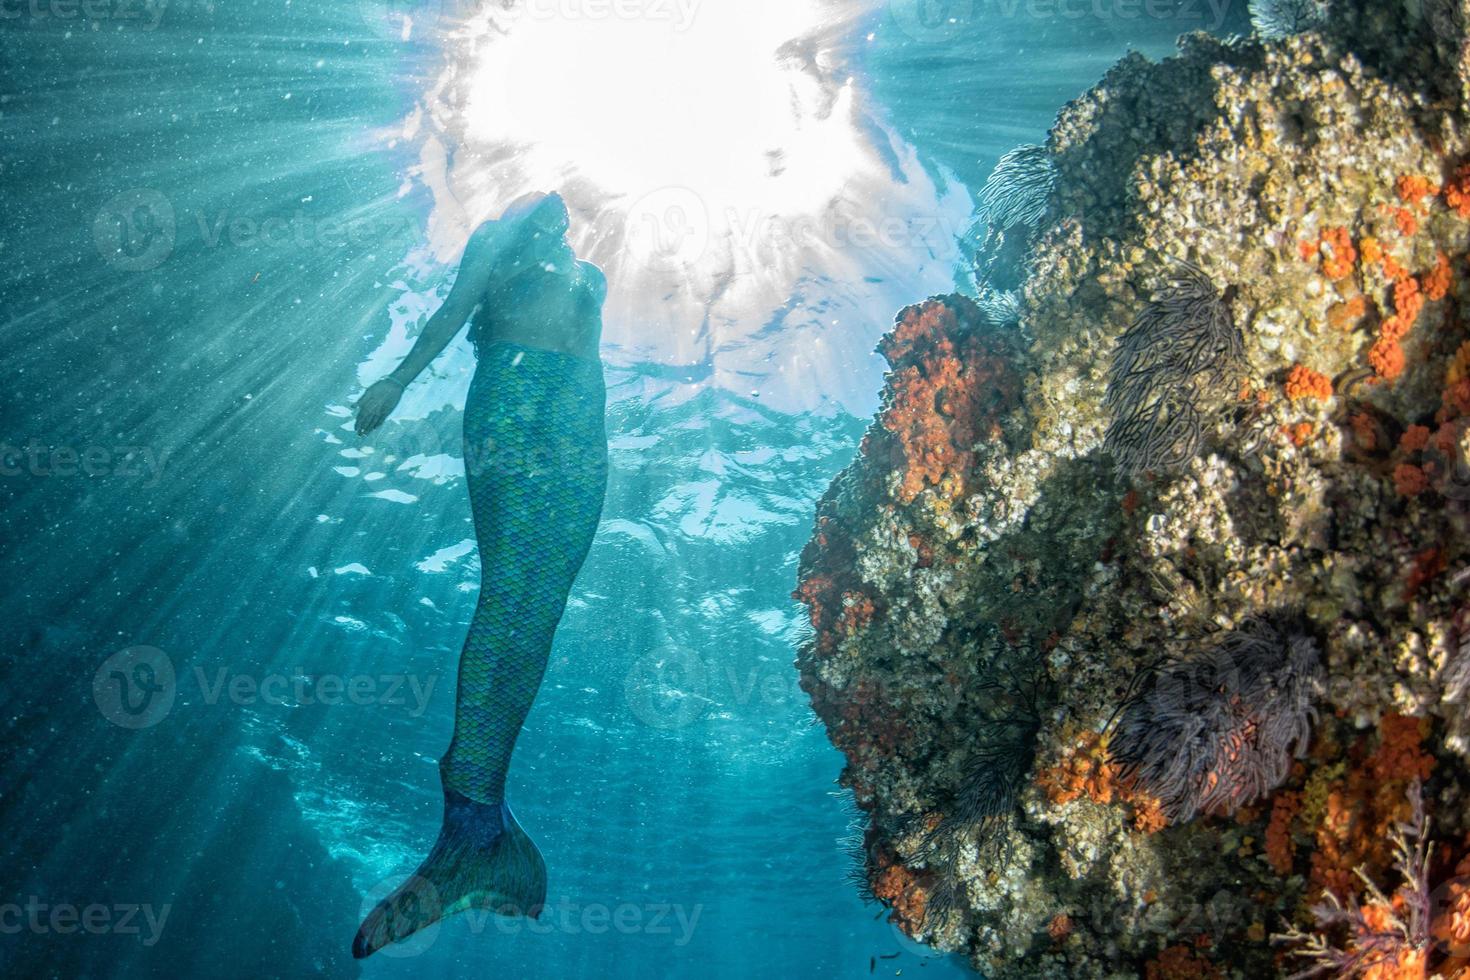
536 462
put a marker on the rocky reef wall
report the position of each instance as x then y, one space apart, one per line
1144 622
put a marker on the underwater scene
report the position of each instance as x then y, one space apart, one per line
735 488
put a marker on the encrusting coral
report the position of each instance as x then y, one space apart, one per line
1125 691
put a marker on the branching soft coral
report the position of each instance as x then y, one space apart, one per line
1389 936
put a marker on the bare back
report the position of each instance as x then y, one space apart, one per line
554 306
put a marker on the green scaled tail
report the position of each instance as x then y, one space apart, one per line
482 860
536 464
536 461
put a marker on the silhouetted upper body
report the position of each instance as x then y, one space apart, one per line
519 282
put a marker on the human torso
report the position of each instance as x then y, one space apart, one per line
556 306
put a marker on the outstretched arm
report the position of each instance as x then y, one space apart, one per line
470 283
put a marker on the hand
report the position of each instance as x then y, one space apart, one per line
376 404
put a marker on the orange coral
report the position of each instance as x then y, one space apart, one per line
1366 803
1300 434
1457 192
1452 925
1414 932
1415 438
1408 302
1392 269
1084 770
1438 281
1365 431
1414 188
1337 245
1407 222
1180 962
951 383
1400 754
836 606
1303 382
1060 927
1148 813
1387 358
1279 846
895 884
1409 480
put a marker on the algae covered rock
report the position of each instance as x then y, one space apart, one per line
1144 622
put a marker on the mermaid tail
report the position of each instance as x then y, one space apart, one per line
482 859
536 463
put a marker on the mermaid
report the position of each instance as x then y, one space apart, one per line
535 455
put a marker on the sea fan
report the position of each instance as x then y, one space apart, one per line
1019 188
1276 19
1175 358
1216 731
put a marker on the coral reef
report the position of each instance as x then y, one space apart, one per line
1126 690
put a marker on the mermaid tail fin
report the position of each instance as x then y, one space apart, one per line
482 859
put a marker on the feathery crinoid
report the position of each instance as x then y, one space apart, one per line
981 809
1000 307
1217 730
1018 190
1009 214
994 772
1275 19
854 844
1391 936
1170 366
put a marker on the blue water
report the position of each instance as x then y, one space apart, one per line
178 480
